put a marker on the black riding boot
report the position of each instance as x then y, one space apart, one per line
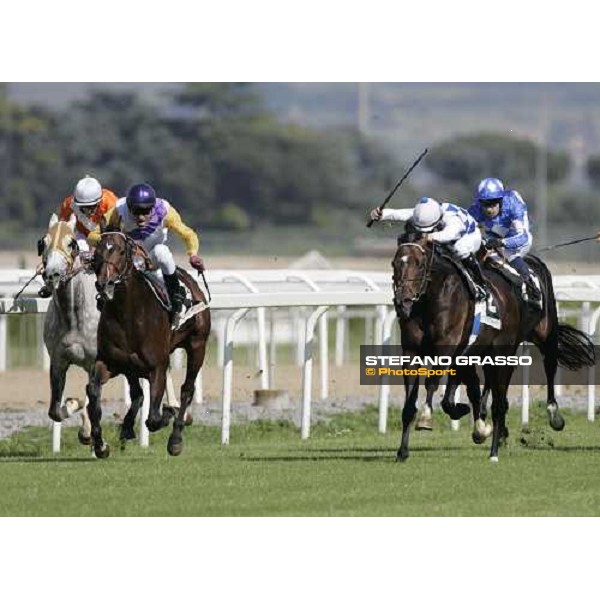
474 268
176 293
532 294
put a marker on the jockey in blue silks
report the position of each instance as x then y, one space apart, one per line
444 223
502 215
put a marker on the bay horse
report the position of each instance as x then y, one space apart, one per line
72 319
435 310
135 338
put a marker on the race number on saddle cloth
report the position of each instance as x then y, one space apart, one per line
446 224
502 215
147 219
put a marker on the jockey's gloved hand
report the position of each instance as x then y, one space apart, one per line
376 214
197 263
493 243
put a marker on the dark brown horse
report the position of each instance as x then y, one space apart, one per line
436 310
135 339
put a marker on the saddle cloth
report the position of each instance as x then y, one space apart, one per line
155 282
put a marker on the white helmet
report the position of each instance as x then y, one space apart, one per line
88 192
427 214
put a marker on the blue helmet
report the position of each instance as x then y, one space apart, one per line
490 189
141 196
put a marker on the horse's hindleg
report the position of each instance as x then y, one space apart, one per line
84 435
158 382
58 376
550 352
195 358
93 391
499 380
409 411
136 394
481 431
484 399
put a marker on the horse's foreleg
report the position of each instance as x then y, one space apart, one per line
499 380
58 376
411 386
136 394
158 383
424 419
455 410
195 358
93 391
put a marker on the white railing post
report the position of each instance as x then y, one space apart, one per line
198 393
340 333
384 387
228 372
525 388
3 343
272 349
324 355
307 373
144 433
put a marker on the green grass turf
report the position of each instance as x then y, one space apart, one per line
345 469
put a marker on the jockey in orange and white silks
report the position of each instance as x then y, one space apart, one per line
444 223
147 219
89 202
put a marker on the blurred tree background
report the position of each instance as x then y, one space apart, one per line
238 170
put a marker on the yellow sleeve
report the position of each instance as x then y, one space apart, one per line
187 234
112 219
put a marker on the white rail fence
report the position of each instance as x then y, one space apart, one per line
308 296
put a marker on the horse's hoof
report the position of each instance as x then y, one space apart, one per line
424 423
556 421
86 440
477 437
174 448
126 433
154 425
493 459
402 456
456 411
189 419
102 451
56 416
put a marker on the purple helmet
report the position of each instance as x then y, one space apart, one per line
141 197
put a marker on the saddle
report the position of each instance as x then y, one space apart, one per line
444 253
190 306
512 276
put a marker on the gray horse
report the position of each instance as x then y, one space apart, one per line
71 322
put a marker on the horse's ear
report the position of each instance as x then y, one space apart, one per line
53 220
103 225
72 221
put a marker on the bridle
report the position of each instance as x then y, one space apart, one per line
54 246
424 275
121 273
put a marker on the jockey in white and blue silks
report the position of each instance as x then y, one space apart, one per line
447 224
502 215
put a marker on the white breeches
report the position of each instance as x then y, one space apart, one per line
163 258
82 242
467 244
511 253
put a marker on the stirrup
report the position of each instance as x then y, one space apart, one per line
481 293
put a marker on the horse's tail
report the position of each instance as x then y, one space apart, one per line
575 348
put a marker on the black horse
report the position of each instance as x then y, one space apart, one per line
135 339
435 309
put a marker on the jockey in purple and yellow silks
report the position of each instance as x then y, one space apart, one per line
146 219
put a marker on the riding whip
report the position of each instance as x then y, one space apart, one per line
585 239
38 271
389 196
205 285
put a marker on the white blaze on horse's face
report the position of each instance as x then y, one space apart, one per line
56 267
